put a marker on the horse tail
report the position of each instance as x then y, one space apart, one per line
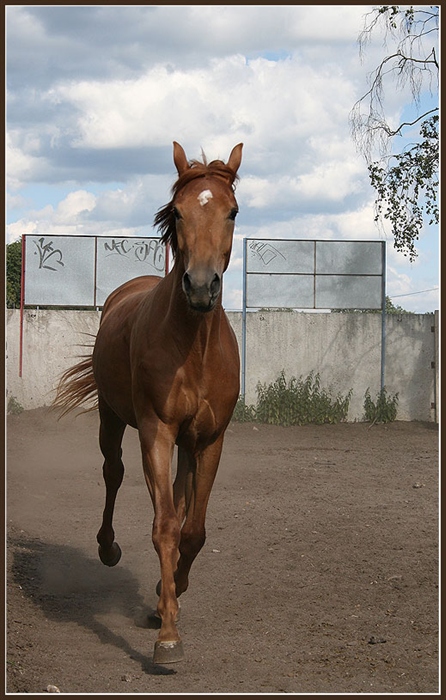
77 386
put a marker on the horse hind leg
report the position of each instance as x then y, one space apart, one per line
111 432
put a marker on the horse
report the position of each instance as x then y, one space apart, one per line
165 361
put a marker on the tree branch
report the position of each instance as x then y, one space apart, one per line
390 132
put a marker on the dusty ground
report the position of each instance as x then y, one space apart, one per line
319 573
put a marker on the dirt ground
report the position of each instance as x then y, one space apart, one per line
319 574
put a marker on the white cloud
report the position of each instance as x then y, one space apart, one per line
75 205
67 218
267 103
120 212
21 164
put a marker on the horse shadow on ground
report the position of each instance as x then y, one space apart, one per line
69 586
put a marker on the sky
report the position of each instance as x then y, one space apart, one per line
97 94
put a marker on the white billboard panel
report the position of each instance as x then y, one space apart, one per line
279 291
59 270
121 259
280 256
307 274
348 292
83 270
349 257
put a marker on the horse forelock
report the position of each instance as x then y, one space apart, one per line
165 218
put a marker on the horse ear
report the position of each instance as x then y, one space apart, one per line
235 158
179 158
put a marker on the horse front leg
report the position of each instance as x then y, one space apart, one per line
111 432
182 487
200 479
157 450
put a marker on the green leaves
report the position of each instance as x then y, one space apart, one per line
243 413
302 401
383 410
14 407
13 274
407 190
294 402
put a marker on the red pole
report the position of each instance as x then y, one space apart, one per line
22 303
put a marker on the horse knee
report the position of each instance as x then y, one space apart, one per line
113 473
165 533
192 541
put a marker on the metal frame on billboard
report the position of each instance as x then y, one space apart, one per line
308 274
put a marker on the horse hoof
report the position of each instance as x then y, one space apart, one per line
168 652
111 557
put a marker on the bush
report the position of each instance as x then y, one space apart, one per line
384 410
243 413
13 274
294 402
14 407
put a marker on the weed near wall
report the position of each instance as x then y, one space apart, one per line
383 409
14 407
294 402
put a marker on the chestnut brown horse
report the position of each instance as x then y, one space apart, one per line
166 362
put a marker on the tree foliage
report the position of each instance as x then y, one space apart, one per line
13 274
406 183
392 308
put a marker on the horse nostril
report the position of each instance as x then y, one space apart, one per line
215 285
186 283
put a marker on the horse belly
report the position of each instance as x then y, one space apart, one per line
111 368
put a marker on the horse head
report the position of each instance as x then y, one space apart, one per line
199 223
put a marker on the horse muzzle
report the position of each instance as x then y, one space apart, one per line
202 289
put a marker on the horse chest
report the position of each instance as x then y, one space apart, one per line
193 398
198 400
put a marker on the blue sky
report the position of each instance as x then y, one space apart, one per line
97 94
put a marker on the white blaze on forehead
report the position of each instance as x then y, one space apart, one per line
204 197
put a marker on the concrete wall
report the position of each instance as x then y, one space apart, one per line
345 349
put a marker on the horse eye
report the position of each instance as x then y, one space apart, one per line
233 214
176 213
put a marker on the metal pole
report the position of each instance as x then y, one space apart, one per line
95 281
243 388
383 316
